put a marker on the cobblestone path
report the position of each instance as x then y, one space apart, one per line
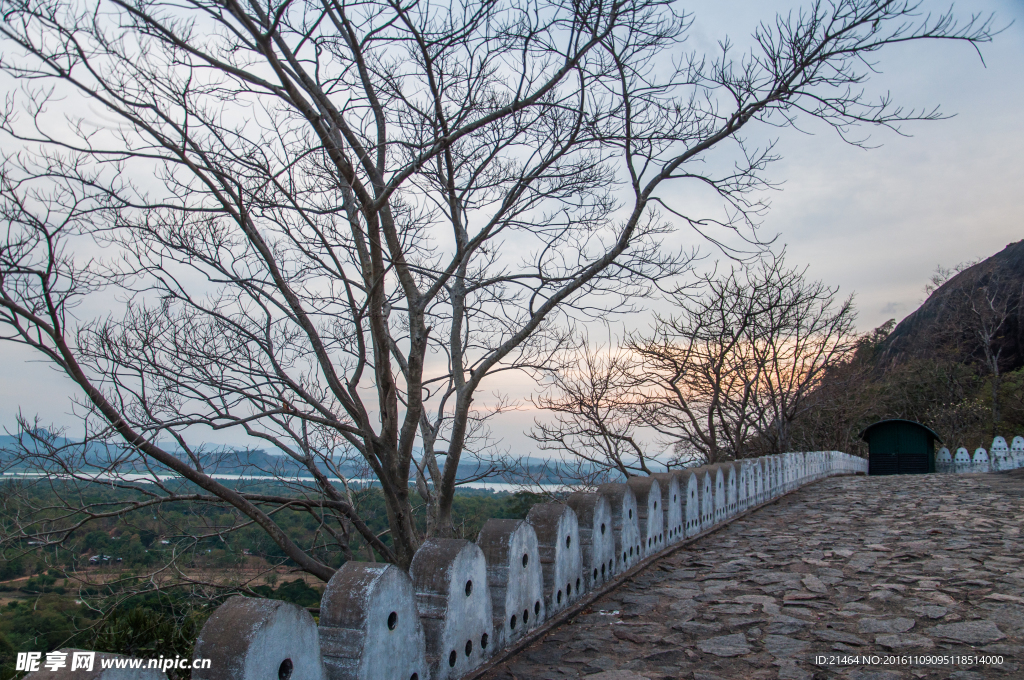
925 566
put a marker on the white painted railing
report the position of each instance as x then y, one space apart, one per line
998 458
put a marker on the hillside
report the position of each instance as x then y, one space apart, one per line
983 301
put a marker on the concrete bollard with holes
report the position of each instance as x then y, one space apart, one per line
672 503
743 494
732 491
369 625
943 460
980 461
690 486
1017 451
776 477
597 541
514 578
962 460
720 499
1000 453
625 526
450 579
707 497
650 513
561 559
757 470
252 639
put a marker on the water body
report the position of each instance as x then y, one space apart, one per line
358 483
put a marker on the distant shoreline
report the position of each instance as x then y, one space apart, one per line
361 483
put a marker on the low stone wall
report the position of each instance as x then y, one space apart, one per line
998 458
463 602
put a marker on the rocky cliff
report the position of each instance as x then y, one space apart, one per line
987 295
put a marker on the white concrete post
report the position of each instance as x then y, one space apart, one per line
980 462
561 558
962 460
625 524
741 486
450 578
650 513
707 497
731 490
369 625
1000 454
1017 451
672 502
253 639
514 578
721 498
597 539
691 499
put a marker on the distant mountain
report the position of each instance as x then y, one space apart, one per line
951 315
221 460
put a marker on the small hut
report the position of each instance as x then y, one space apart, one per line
900 447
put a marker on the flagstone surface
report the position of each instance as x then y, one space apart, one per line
855 577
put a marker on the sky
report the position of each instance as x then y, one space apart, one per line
875 223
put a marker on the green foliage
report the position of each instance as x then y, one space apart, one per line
46 623
8 655
297 592
937 388
11 568
148 633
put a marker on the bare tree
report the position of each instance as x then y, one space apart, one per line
728 374
801 330
595 417
324 225
978 313
696 369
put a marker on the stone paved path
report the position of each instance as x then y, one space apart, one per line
929 565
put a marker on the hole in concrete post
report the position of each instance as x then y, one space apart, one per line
602 528
558 598
624 556
526 616
655 505
415 676
469 647
469 588
284 671
568 541
631 513
452 658
602 572
595 571
568 590
577 585
526 559
512 622
483 641
673 498
536 608
610 564
392 620
630 552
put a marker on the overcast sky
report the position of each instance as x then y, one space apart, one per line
873 222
